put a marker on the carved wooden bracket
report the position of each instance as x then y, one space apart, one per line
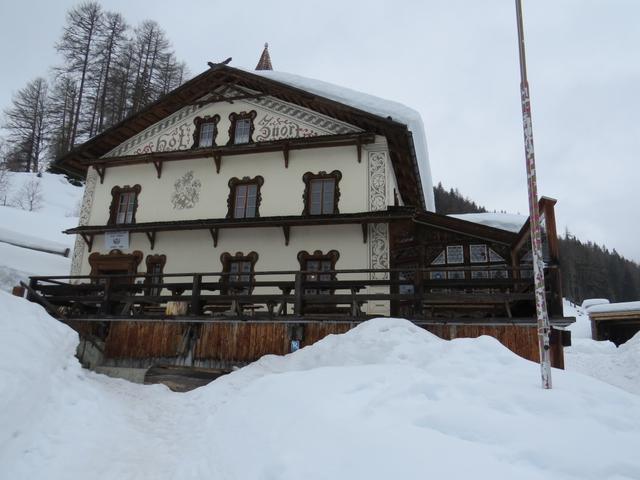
218 159
151 236
158 165
365 232
286 230
101 171
359 150
88 239
214 236
285 153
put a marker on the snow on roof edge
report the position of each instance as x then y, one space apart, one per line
615 307
374 105
504 221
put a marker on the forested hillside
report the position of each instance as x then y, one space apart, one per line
588 270
107 71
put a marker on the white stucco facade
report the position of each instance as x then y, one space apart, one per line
365 185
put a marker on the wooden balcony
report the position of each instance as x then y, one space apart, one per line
296 296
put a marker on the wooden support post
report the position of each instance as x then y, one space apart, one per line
286 231
214 236
196 304
151 236
106 301
217 158
418 290
298 305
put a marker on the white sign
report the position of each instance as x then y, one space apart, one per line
116 240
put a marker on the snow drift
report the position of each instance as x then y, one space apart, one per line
385 400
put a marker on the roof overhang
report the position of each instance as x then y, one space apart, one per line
399 137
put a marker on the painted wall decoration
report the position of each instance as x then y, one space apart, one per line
275 120
186 192
272 127
85 213
378 232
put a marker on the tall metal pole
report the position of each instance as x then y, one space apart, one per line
534 213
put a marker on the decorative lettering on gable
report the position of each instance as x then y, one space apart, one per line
271 127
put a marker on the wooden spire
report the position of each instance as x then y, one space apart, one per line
265 59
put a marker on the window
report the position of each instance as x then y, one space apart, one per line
124 203
241 129
239 269
315 264
155 267
455 254
206 131
206 135
244 197
478 254
321 193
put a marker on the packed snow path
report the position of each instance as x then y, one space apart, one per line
386 400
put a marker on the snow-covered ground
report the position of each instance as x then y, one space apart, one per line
617 366
385 400
22 230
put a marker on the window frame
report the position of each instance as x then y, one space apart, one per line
331 256
199 122
234 183
234 118
227 260
307 178
116 195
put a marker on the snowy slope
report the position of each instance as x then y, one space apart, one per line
40 229
617 366
386 400
372 104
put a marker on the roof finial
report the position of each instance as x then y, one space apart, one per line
265 59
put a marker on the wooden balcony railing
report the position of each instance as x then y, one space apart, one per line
289 295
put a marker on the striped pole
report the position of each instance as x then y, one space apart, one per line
534 213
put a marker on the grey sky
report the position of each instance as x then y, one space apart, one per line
455 62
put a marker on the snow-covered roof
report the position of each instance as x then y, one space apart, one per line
615 307
374 105
590 302
504 221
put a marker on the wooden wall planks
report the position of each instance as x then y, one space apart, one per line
237 342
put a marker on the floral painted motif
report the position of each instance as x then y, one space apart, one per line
186 191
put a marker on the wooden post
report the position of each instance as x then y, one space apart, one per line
418 291
196 305
105 297
297 308
18 291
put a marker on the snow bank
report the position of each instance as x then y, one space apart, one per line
505 221
375 105
601 359
386 400
41 229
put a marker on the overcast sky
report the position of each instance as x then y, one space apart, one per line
454 61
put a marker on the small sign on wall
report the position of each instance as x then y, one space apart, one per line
116 240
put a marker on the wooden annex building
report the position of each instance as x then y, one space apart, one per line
255 212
